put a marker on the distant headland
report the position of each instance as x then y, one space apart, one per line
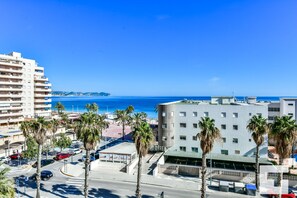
74 93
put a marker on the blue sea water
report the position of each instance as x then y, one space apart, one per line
108 104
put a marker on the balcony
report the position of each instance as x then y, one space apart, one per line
42 100
40 78
9 95
11 108
11 76
10 88
44 84
42 90
10 70
13 63
20 119
11 114
11 83
42 95
11 102
38 106
42 113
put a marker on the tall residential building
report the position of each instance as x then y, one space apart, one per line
24 90
178 126
286 106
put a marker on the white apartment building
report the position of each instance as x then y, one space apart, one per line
286 106
178 125
24 90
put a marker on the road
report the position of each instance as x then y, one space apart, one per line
63 186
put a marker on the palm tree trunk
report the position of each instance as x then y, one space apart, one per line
257 169
203 172
123 138
138 193
38 171
87 164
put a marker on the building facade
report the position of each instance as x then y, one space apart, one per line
178 125
24 90
286 106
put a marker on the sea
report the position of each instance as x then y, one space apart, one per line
147 104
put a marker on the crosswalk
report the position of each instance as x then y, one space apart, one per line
76 183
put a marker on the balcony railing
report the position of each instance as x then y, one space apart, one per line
11 70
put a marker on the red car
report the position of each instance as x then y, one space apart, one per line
283 196
62 156
15 156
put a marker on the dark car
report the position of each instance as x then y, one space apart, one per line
62 156
44 162
44 175
15 156
95 155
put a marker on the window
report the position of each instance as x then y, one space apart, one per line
182 148
195 138
235 115
235 140
290 114
163 114
275 109
205 114
250 114
172 113
291 104
183 137
259 114
223 126
250 140
182 114
270 117
235 127
224 152
223 114
195 114
224 139
195 125
237 152
182 125
164 126
195 149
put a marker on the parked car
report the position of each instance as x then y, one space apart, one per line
15 156
44 175
44 162
283 196
92 158
96 155
4 159
75 151
60 156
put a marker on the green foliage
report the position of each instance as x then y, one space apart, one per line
124 117
32 148
92 107
143 137
60 107
6 184
62 142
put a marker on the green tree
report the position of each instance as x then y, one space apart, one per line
62 142
124 118
25 128
32 148
88 130
208 134
6 184
92 107
138 118
54 125
283 131
60 107
258 127
143 138
39 130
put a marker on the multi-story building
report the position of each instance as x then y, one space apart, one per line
24 90
178 125
286 106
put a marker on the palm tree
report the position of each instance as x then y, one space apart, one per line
7 186
208 134
39 129
138 118
88 130
258 127
124 118
143 137
283 130
60 107
54 125
92 107
25 128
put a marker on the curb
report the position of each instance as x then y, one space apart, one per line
65 173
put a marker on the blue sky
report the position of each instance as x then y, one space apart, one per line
168 47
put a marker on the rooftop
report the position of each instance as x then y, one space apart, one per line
124 148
